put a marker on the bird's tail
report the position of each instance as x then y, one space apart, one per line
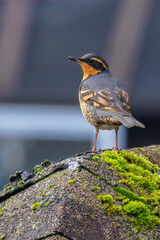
138 124
129 121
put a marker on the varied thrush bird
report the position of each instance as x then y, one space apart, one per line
104 103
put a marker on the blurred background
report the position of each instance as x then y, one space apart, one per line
40 116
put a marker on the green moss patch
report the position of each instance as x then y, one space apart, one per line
128 194
105 198
72 180
96 189
140 194
95 157
108 206
113 209
2 236
38 169
9 187
140 210
36 206
140 149
20 183
95 163
15 176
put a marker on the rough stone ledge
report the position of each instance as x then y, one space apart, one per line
58 201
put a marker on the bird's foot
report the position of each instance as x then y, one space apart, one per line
115 148
94 149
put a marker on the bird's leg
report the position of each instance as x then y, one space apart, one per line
116 130
95 140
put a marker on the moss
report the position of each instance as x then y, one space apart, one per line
158 149
147 153
46 204
140 194
105 198
37 168
96 189
9 187
11 197
36 206
125 201
135 170
110 168
72 180
130 233
46 162
90 216
128 194
113 209
140 210
51 185
64 173
108 207
40 168
99 178
1 213
16 175
137 229
123 160
117 225
143 214
20 183
120 197
2 236
140 149
95 157
95 163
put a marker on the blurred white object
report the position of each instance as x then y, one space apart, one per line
53 122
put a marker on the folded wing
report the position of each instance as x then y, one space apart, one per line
116 102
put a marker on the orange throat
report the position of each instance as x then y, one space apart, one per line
88 70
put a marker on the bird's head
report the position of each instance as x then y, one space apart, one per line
91 64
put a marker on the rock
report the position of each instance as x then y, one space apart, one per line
87 196
25 175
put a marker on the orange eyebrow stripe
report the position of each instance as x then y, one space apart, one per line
99 60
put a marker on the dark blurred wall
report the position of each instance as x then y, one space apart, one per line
55 30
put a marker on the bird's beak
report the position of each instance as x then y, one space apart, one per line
74 59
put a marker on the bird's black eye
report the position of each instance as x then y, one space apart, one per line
91 60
